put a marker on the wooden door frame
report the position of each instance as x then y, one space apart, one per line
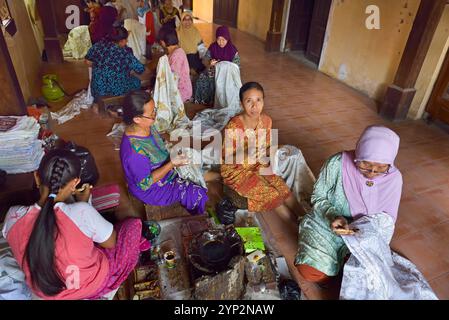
290 30
431 107
222 22
17 104
307 53
51 40
400 94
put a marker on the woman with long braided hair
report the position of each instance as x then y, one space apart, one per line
69 251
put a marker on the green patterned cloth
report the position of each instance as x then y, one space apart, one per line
318 246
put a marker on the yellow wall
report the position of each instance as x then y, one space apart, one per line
254 17
367 59
36 23
23 49
431 67
204 9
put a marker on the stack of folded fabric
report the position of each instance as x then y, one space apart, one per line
20 149
106 197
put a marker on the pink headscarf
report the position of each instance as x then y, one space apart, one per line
383 193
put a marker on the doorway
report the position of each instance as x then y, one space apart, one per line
438 106
225 12
307 28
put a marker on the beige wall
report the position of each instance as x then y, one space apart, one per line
23 49
36 23
367 59
431 67
254 17
204 9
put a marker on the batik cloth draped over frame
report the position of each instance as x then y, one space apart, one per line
137 38
227 101
169 106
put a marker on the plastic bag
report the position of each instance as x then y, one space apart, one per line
289 290
226 211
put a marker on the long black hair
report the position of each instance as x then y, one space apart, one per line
133 105
251 85
57 168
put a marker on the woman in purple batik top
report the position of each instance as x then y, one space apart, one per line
146 162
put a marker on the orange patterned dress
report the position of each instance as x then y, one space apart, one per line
264 192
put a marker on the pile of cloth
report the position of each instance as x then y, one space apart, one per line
20 149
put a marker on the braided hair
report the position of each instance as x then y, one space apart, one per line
56 169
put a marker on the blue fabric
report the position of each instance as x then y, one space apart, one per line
142 10
112 66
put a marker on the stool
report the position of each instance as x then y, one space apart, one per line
236 199
105 101
157 213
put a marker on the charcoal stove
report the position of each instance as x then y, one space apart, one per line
212 251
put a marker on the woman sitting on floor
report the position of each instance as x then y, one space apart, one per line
221 50
264 191
352 184
189 40
112 63
146 162
178 63
69 251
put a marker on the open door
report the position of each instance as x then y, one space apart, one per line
188 5
299 21
318 30
225 12
11 97
438 106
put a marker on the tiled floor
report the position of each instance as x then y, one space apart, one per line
321 116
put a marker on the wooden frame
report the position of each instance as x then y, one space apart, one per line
441 85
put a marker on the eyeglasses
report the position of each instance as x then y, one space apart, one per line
366 170
151 118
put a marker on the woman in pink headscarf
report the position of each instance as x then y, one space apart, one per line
351 184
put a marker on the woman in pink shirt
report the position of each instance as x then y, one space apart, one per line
178 63
69 251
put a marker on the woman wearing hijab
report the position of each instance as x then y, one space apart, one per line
221 50
189 40
351 184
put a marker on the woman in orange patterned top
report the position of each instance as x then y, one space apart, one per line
253 178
